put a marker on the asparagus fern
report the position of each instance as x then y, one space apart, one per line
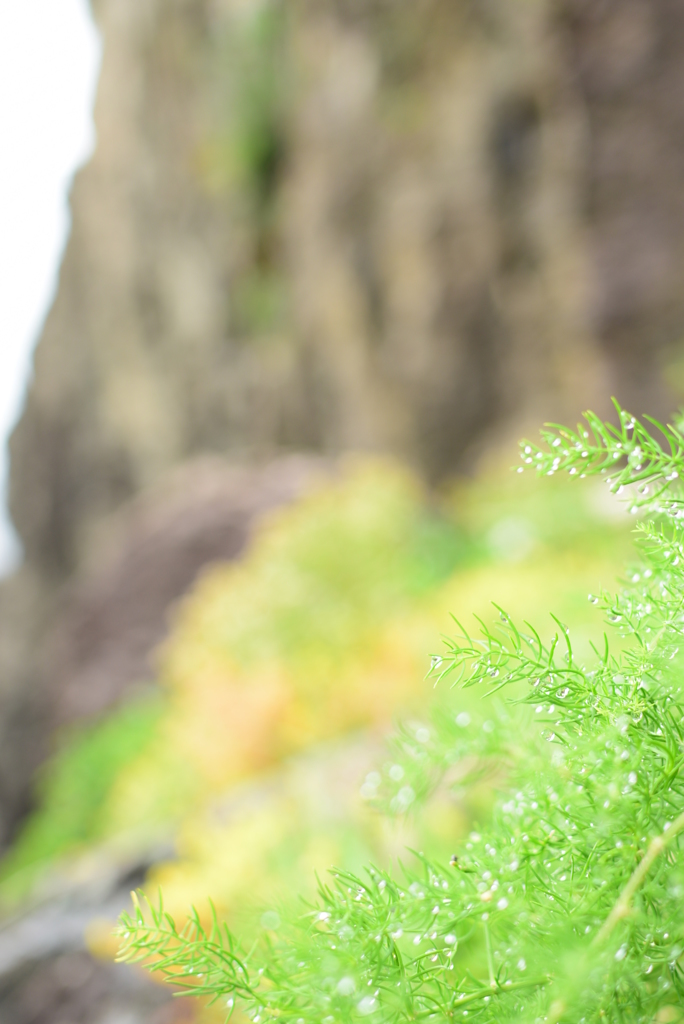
567 907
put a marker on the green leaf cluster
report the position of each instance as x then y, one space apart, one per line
566 906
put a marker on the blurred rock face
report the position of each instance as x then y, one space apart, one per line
116 613
625 62
324 225
74 989
49 973
339 225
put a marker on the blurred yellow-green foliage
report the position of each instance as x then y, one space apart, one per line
283 671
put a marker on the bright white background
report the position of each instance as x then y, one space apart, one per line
49 60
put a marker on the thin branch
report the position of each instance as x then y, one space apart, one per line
622 906
500 990
490 964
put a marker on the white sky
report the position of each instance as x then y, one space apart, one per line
49 60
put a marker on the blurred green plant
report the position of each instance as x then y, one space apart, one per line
72 789
260 80
243 155
259 302
319 632
246 149
566 906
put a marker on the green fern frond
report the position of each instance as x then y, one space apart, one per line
567 906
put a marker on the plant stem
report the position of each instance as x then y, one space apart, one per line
490 965
499 990
622 906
